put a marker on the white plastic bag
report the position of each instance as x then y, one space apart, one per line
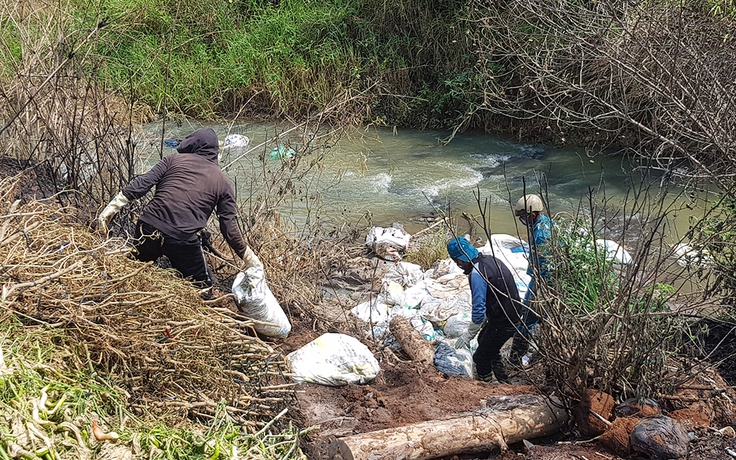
614 252
513 252
374 311
405 274
388 243
334 360
255 300
456 325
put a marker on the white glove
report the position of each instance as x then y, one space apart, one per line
250 259
464 340
117 203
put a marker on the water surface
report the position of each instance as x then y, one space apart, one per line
381 176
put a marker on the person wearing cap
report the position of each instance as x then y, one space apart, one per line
189 186
530 211
496 307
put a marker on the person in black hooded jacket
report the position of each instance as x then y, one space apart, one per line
189 186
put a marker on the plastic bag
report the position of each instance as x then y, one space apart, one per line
405 274
255 300
334 360
513 252
388 243
614 252
281 153
374 311
456 325
235 141
452 361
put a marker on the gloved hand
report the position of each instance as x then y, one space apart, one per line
117 203
464 340
250 259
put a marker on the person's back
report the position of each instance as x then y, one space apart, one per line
495 307
188 190
189 186
502 295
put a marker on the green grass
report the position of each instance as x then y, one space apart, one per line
50 394
202 58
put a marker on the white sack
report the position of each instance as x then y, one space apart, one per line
614 252
388 243
405 274
255 300
439 310
374 311
334 360
514 253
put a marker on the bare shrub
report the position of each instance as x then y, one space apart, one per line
54 113
620 319
655 77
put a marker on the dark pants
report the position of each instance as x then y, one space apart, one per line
529 319
185 256
487 356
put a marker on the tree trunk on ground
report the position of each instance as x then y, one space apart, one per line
505 420
417 347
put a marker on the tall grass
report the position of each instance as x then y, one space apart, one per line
50 397
284 59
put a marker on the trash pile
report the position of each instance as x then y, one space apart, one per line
436 302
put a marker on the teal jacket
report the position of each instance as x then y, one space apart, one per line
539 236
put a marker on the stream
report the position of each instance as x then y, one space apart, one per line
380 176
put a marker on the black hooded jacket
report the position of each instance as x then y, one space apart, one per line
189 186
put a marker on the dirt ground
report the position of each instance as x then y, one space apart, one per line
403 395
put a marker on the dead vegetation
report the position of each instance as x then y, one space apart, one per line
143 326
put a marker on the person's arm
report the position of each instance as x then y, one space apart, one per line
145 182
227 215
542 235
478 316
478 288
134 190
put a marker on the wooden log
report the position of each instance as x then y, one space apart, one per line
417 347
505 420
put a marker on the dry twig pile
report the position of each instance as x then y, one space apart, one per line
143 327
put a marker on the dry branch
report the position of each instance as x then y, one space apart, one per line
145 325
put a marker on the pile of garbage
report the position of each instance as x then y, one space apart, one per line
436 302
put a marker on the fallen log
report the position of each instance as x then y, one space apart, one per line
417 347
504 420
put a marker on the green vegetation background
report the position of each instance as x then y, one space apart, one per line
405 62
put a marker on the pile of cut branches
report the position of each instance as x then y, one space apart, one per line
142 327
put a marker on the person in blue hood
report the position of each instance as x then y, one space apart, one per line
496 307
189 187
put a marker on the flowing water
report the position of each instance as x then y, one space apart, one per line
410 176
